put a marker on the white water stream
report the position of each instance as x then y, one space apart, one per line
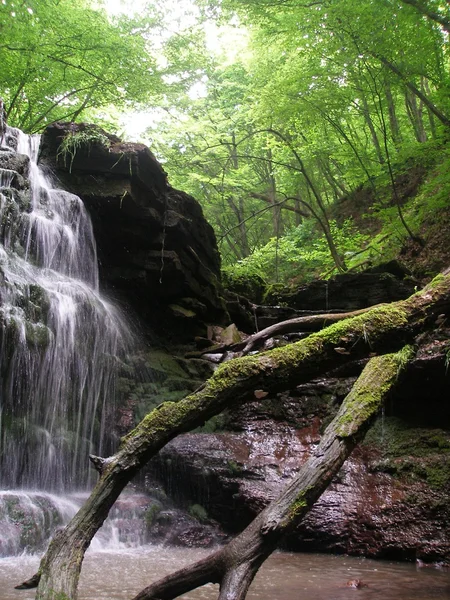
61 340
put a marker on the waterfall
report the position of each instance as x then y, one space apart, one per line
28 519
61 341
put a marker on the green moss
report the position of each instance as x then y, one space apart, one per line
229 372
234 468
437 473
160 364
411 452
298 507
151 513
215 424
300 504
297 352
180 311
58 595
396 439
436 281
165 417
248 284
275 294
198 512
368 326
370 391
37 334
180 384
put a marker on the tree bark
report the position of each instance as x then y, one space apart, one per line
415 114
235 565
381 329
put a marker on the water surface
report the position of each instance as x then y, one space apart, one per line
120 575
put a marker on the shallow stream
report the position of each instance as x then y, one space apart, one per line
119 575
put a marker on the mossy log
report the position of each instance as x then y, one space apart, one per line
235 565
379 330
298 325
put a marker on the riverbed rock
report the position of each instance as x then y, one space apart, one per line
155 248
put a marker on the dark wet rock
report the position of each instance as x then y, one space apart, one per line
349 291
19 164
174 527
390 500
2 122
393 267
138 518
155 248
2 116
241 311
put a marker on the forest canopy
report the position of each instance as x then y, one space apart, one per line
62 58
269 112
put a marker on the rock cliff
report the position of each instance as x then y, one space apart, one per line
155 249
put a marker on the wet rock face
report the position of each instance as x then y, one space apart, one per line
390 500
173 527
346 292
155 248
349 291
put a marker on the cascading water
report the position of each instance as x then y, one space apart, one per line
60 341
62 347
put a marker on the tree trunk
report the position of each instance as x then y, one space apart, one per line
415 114
393 120
235 565
296 325
412 88
381 329
371 126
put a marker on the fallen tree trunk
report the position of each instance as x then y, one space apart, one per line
379 330
235 565
297 325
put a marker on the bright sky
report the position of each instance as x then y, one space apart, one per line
227 41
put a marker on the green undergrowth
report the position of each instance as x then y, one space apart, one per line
301 255
371 231
73 142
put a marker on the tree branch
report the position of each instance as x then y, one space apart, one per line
434 16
